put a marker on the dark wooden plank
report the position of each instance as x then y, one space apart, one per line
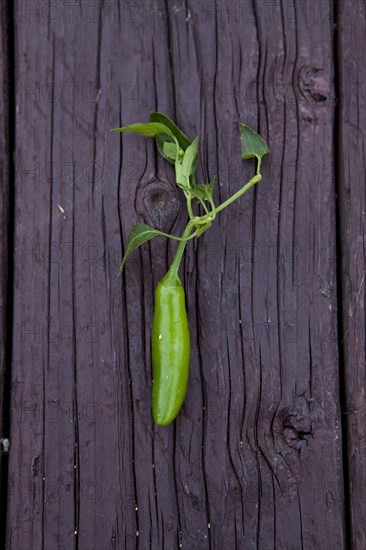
254 459
351 47
5 291
69 376
271 377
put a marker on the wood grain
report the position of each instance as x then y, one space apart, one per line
254 459
5 275
351 43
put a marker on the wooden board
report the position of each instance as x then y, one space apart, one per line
351 46
255 458
5 276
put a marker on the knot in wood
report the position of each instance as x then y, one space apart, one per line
158 204
297 425
314 84
296 438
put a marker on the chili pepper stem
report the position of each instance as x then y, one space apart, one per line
172 274
241 192
207 219
189 206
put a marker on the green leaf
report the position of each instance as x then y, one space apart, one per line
150 129
180 178
210 186
170 151
139 234
202 191
199 192
162 140
182 139
185 168
252 145
189 162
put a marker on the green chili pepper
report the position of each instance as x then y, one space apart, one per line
170 350
170 334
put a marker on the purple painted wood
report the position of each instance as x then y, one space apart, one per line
254 459
352 200
5 295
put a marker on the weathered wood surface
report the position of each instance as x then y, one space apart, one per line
255 458
5 296
352 200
